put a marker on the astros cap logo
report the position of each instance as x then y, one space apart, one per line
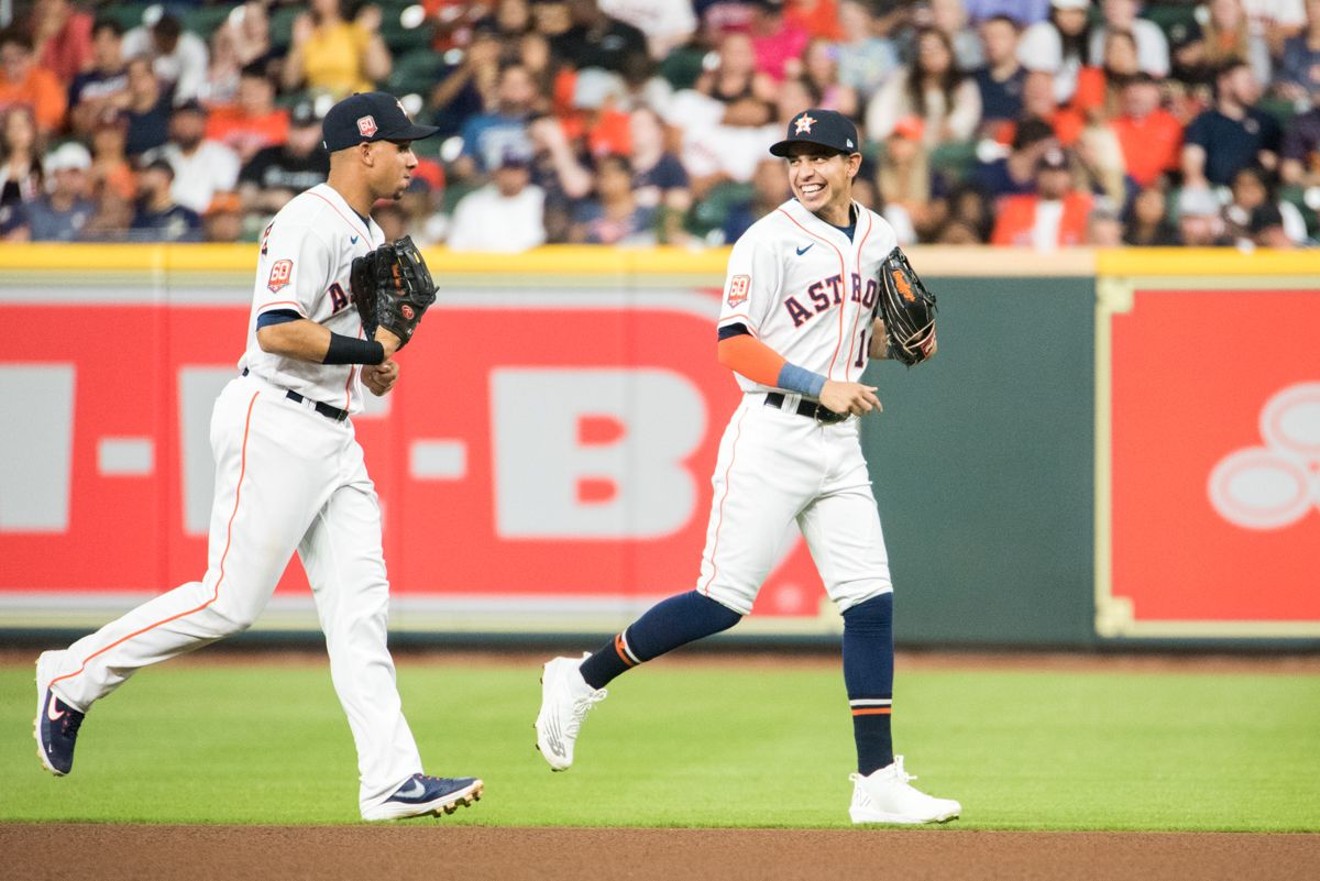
803 124
366 126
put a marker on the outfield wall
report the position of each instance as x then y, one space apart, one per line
1098 453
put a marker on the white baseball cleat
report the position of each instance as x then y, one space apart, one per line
565 700
885 796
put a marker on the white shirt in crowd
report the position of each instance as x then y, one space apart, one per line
212 168
485 220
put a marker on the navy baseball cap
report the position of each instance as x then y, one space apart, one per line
824 128
369 116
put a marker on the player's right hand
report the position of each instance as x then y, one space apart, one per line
849 397
380 378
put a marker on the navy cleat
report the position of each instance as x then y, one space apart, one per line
57 723
427 796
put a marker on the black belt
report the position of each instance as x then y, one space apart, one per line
324 409
810 409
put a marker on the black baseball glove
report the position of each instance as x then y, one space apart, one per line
392 288
908 310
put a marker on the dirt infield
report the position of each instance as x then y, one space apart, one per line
432 851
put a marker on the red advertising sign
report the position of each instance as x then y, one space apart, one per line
1216 458
538 446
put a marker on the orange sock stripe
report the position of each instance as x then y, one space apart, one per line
215 594
872 711
622 651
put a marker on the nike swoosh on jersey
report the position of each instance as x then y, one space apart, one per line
801 251
352 240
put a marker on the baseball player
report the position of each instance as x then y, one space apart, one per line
290 476
797 327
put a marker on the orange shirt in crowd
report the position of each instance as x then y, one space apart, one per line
40 90
819 18
1150 146
1017 218
247 134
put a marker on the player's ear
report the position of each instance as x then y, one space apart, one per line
366 153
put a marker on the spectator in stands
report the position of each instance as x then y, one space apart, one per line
999 81
61 38
819 18
148 107
1232 134
769 190
1059 45
665 24
1024 12
949 17
278 173
1104 228
223 219
1300 164
1298 75
595 39
1149 136
465 87
158 218
104 83
612 216
335 56
1147 221
1253 210
820 67
1226 34
452 22
866 59
1052 217
598 120
947 101
112 217
1200 222
248 29
1015 172
777 41
60 214
1151 44
1038 102
1276 21
179 57
1099 85
202 167
558 169
21 177
23 81
660 182
111 169
504 128
506 215
746 94
903 180
254 122
969 217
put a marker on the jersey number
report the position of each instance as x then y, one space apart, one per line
338 298
861 353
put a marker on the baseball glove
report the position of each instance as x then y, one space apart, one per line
392 288
908 310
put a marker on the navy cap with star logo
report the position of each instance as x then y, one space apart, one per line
369 116
824 128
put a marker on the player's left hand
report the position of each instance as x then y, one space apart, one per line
380 378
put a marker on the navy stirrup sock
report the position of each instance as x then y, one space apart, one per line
669 624
868 672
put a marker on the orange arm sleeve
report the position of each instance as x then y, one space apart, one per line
752 358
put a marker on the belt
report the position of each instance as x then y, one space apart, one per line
810 409
324 409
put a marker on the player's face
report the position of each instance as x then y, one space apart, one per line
392 166
822 180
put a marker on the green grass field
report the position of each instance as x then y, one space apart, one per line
692 745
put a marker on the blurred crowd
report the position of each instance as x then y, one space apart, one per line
1043 123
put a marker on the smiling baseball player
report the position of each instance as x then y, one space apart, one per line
290 476
798 326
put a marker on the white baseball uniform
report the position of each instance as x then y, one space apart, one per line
803 289
289 477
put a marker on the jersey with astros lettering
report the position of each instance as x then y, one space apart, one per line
306 255
802 288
